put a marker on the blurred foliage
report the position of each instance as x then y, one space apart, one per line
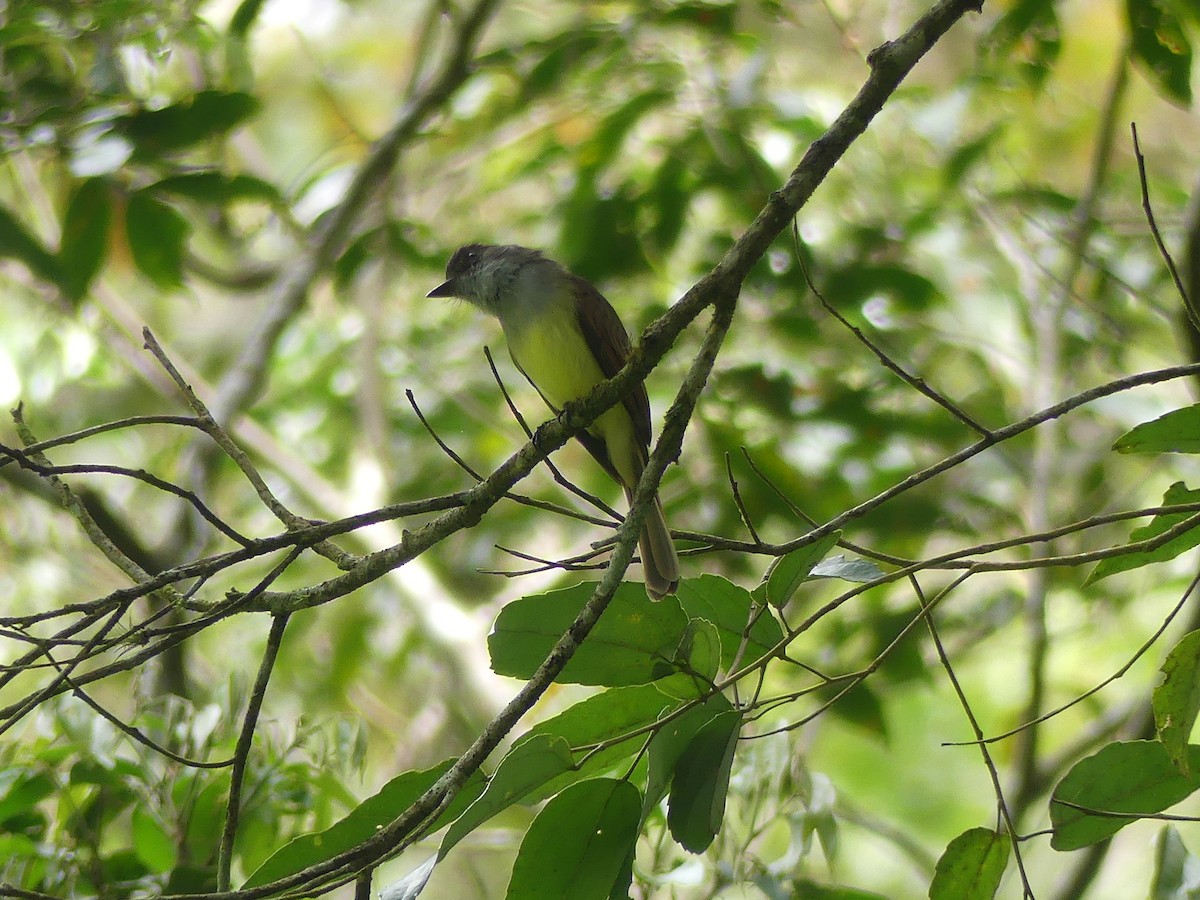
169 163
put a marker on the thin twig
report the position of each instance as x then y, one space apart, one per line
1188 303
737 499
47 469
913 381
1141 651
522 499
1009 825
222 439
241 755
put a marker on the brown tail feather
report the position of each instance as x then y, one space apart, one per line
659 560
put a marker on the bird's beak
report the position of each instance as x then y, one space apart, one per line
445 289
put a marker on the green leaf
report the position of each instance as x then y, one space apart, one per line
1176 871
85 236
703 643
363 822
669 743
21 792
696 806
668 200
1178 493
629 644
854 284
562 53
971 867
1176 432
157 234
810 890
719 19
729 607
1160 44
151 842
529 764
857 570
1176 699
859 705
603 717
1030 35
578 844
217 188
786 574
17 243
197 118
1137 777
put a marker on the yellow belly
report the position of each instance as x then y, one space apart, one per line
554 356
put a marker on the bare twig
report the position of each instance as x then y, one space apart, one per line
988 762
241 753
918 384
1188 302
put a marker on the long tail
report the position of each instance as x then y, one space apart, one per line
659 560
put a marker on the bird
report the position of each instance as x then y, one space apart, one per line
566 338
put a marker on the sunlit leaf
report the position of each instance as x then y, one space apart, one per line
1175 432
1161 45
971 866
1176 699
1137 777
629 645
1177 493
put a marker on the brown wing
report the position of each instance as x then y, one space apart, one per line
607 339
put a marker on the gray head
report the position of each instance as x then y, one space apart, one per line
481 273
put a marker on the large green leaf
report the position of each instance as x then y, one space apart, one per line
633 643
972 866
730 608
157 234
1175 432
85 235
578 844
1160 44
696 805
363 822
530 763
601 719
1137 777
669 743
1176 699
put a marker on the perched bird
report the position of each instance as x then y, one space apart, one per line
566 338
